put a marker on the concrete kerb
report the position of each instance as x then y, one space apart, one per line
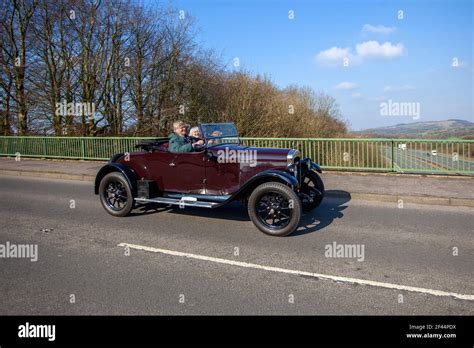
430 200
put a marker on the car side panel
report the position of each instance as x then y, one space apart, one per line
174 172
227 178
221 178
178 172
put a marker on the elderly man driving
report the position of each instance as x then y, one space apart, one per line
195 134
180 142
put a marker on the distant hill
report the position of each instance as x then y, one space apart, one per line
430 129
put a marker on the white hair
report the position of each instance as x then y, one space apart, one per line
194 129
178 124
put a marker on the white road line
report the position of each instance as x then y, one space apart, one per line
301 273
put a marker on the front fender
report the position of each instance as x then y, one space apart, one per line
316 167
265 176
308 163
127 172
274 174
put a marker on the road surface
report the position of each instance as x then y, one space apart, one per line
416 260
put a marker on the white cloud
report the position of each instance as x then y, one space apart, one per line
357 95
335 56
397 88
346 86
378 29
372 49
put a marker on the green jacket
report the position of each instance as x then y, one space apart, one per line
179 144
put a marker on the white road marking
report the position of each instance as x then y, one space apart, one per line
301 273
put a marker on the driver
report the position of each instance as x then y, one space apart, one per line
180 142
195 134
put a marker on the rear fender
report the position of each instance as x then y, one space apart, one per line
127 172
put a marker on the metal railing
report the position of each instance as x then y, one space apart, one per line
87 148
394 155
388 155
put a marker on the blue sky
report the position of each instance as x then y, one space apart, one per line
408 59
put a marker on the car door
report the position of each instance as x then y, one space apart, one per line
221 178
179 172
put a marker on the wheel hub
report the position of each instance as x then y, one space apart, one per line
274 212
116 195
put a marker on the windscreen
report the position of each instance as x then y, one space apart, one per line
220 133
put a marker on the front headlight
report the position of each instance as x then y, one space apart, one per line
290 158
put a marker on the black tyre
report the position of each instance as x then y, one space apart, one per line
311 191
275 209
116 194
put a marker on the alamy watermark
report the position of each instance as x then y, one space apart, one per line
37 331
75 109
335 250
393 108
230 155
20 251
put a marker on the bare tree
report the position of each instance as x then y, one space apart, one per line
15 24
138 69
7 79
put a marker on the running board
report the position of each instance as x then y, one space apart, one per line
184 201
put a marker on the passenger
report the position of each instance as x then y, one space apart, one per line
180 142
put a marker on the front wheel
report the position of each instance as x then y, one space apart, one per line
275 209
115 194
311 191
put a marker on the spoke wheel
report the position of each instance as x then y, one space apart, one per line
115 194
275 209
311 191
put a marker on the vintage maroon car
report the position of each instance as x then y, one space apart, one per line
275 184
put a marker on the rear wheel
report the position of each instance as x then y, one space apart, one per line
275 209
116 194
311 191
